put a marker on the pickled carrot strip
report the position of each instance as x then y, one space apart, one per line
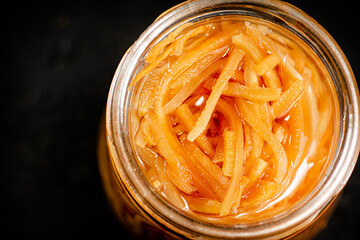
279 131
159 48
232 196
255 172
191 86
228 70
209 166
147 93
248 113
244 43
195 43
268 63
272 79
170 190
229 137
264 192
150 67
287 99
209 170
154 61
187 119
248 140
234 89
309 102
241 189
180 42
269 45
257 149
187 59
287 66
250 76
203 205
297 134
195 69
205 185
168 147
265 113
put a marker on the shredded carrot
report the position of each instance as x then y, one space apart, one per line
229 137
220 126
170 190
297 134
248 113
203 205
147 93
191 86
268 63
229 68
244 43
167 143
255 172
211 172
250 76
159 48
244 181
187 59
232 196
271 79
234 89
187 119
195 69
287 99
265 191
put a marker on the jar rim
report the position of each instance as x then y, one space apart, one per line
120 146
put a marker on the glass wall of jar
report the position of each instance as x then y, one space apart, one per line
144 210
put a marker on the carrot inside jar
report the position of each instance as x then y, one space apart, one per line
235 121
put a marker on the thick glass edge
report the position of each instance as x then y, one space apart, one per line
348 153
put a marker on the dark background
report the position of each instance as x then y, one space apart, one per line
58 60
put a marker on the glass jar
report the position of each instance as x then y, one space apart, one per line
148 214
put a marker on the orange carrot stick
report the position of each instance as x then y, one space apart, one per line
248 113
229 137
191 86
216 41
229 69
297 134
232 196
168 146
187 119
234 89
287 99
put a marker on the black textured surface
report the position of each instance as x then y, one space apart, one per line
58 62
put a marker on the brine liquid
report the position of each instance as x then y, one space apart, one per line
234 121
